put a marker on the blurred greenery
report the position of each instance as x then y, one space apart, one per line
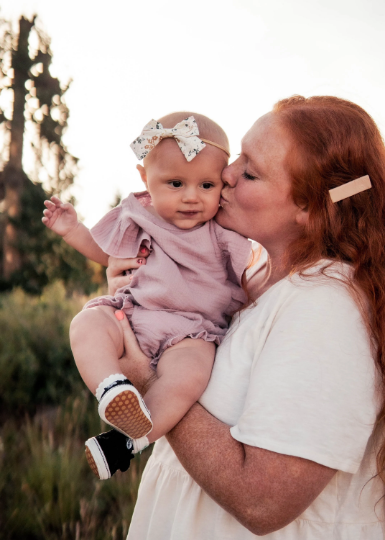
47 490
33 112
45 257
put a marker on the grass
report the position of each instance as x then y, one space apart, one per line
47 490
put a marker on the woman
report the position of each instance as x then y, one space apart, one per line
284 441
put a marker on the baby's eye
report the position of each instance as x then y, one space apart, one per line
248 176
207 185
175 183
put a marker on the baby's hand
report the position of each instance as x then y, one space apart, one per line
60 217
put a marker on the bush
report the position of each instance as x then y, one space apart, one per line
36 363
47 490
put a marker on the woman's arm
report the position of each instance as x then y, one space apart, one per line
263 490
62 219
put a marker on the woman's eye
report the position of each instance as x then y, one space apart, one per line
207 185
248 176
175 183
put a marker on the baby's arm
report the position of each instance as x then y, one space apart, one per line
62 219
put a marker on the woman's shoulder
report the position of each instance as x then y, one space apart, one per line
327 276
323 288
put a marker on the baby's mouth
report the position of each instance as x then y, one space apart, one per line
189 212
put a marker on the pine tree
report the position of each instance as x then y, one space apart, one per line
31 255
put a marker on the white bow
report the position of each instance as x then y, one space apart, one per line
185 133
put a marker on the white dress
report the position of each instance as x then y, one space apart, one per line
294 375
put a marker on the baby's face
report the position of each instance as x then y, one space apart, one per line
184 193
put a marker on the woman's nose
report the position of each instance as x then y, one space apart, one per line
229 176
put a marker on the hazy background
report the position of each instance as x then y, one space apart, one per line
230 59
129 62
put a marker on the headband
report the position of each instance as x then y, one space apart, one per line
350 188
185 133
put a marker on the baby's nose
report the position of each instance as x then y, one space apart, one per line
190 195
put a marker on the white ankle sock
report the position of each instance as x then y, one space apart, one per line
140 444
107 382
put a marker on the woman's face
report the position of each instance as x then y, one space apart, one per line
256 199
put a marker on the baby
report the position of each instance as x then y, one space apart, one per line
179 303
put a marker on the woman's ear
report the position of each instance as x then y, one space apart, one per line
302 217
143 175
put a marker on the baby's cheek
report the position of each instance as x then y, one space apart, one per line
213 209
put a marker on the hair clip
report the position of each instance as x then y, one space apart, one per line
350 188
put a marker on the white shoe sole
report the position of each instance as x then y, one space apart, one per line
96 459
123 408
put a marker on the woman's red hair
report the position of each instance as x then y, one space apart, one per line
334 142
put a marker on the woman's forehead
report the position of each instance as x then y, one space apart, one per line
266 140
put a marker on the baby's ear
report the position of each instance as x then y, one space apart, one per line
143 175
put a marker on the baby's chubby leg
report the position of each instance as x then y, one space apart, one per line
97 344
183 373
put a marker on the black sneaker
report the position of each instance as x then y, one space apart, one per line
108 452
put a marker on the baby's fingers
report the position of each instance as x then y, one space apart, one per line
56 201
50 205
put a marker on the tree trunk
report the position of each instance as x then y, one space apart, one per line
14 177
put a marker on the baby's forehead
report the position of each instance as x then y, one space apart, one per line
167 152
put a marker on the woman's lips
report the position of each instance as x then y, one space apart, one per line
222 200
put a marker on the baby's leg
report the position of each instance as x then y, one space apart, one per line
97 344
183 373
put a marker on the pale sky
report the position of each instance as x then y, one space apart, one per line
229 59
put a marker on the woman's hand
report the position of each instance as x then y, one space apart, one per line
117 268
134 363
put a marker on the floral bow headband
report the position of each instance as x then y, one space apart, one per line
185 133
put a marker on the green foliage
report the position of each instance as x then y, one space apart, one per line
45 257
36 363
47 490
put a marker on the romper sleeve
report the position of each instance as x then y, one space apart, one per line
312 391
236 251
117 233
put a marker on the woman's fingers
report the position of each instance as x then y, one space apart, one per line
118 283
117 269
116 272
143 252
134 363
129 339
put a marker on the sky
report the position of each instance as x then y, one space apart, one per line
229 59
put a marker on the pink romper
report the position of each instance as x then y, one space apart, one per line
191 284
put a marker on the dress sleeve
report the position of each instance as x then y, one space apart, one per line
312 390
117 233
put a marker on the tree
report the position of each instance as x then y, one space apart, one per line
32 100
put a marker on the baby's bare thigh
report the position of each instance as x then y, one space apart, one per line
106 320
